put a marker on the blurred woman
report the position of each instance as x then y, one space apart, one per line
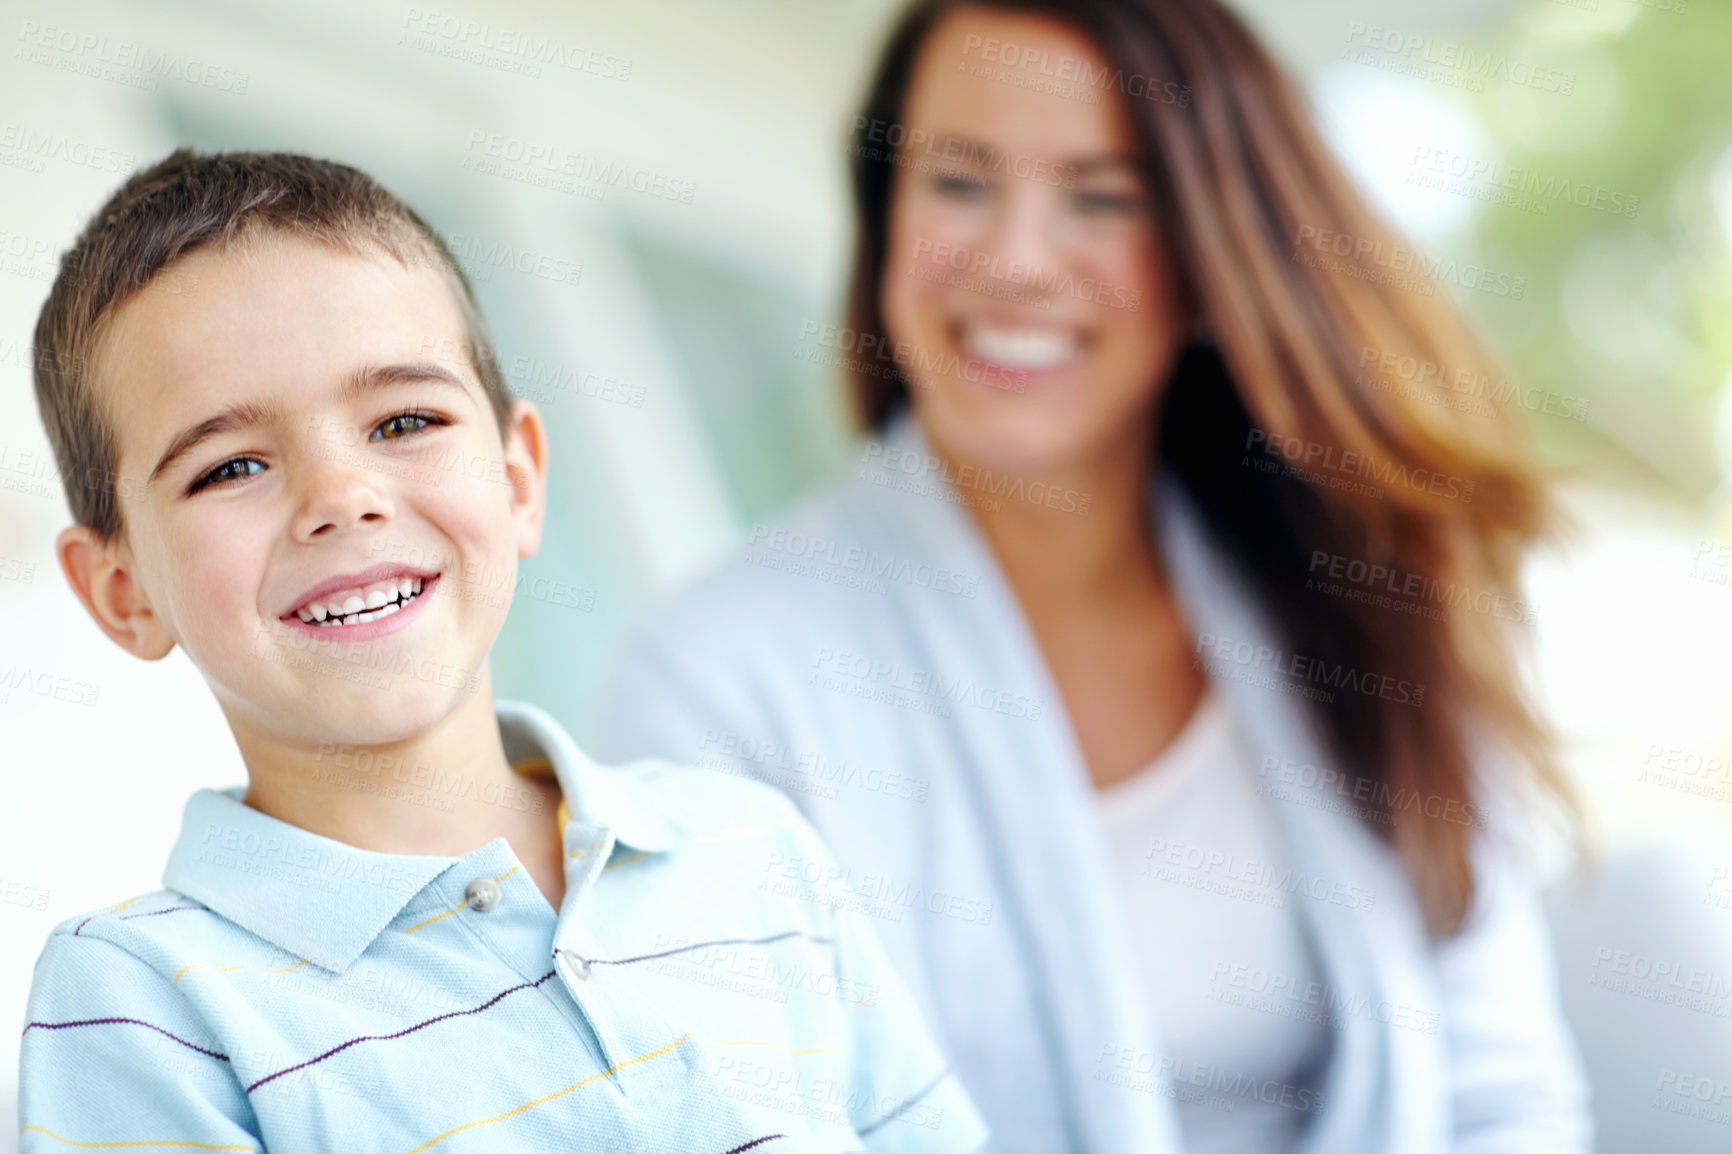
1154 676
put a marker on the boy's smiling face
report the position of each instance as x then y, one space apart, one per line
308 439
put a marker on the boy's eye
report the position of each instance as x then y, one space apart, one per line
233 469
403 425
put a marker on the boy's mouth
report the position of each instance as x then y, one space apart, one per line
362 597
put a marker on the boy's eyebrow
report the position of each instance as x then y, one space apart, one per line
249 414
365 380
240 415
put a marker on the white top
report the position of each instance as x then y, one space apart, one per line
1201 877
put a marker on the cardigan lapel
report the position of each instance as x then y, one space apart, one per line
1030 791
1385 1087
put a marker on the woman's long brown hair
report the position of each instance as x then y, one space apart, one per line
1245 193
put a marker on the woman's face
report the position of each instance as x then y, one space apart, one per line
1024 280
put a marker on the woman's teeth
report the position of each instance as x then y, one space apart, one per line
380 599
1027 349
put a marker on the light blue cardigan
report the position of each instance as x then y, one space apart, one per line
974 840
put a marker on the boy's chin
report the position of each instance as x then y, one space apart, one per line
399 710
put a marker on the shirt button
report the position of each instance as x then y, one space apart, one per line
575 966
482 894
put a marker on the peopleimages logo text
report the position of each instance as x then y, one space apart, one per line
1310 670
1470 63
1402 259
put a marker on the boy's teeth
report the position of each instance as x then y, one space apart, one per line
378 600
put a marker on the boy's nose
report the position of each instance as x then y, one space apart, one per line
338 500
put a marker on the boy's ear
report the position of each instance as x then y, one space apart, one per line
100 573
526 469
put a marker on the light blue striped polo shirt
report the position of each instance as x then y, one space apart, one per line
705 988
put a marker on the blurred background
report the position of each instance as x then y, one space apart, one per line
659 308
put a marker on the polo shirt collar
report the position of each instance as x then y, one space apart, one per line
598 795
327 901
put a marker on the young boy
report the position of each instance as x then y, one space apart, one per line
289 450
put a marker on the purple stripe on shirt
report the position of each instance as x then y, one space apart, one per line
127 1021
400 1033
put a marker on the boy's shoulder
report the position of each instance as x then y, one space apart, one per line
118 947
151 926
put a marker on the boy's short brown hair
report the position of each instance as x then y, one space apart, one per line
184 203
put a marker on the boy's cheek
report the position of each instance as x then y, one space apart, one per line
207 592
